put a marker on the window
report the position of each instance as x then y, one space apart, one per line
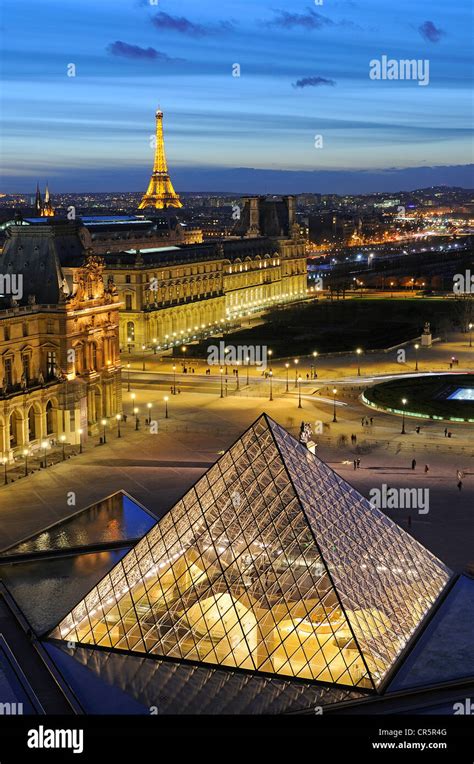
94 356
6 332
128 302
130 331
50 327
128 279
25 329
8 365
26 367
51 367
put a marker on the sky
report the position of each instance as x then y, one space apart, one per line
304 72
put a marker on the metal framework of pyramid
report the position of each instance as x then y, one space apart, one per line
271 563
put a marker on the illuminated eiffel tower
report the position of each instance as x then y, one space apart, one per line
160 192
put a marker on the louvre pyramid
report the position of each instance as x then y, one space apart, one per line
270 562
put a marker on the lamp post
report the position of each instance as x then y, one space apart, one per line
248 367
104 434
470 335
299 393
143 351
118 417
166 399
270 374
135 411
287 367
5 476
44 446
79 432
221 371
313 368
174 379
128 377
334 392
404 403
25 454
237 382
63 441
149 405
296 362
129 343
359 353
391 288
270 353
154 345
133 396
416 351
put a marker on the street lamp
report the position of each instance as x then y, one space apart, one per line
25 454
270 353
118 417
359 352
44 446
143 350
248 367
129 343
79 432
135 411
174 379
404 403
334 392
104 434
270 374
166 399
237 382
296 362
154 345
416 351
221 371
287 367
299 393
149 405
313 370
133 396
470 334
128 381
63 441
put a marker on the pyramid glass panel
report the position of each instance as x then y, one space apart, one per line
270 563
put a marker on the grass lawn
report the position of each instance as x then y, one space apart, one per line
425 395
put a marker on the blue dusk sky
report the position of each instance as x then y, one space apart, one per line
304 72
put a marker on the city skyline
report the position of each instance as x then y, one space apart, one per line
303 73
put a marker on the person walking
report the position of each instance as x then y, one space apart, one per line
460 485
445 432
413 464
427 469
355 464
358 463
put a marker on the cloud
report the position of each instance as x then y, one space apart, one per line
430 32
308 20
312 82
163 21
124 50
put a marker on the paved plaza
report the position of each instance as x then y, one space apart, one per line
156 464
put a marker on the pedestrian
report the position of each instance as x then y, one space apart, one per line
449 433
124 417
417 429
460 485
445 432
358 463
355 438
413 464
427 469
371 421
355 464
307 377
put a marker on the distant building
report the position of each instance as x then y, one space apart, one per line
43 207
60 365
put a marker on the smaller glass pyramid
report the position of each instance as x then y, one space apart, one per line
270 563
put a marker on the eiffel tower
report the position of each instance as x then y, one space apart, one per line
160 192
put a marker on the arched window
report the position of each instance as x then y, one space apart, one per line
31 424
49 418
130 331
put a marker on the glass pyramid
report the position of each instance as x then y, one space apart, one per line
271 563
